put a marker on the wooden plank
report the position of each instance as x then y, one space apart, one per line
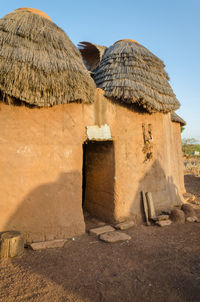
145 206
150 204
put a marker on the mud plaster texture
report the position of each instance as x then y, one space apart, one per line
41 171
41 158
162 175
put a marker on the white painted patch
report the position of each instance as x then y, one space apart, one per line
98 133
68 153
24 150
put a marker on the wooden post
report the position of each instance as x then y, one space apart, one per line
145 206
11 244
150 203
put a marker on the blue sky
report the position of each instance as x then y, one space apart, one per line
168 28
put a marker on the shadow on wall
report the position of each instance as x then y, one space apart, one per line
164 191
52 210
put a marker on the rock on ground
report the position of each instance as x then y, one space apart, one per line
101 230
116 236
47 244
188 210
163 223
192 219
161 217
177 216
125 225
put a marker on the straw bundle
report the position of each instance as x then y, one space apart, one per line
39 64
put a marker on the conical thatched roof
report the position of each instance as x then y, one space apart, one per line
39 64
130 73
177 119
91 53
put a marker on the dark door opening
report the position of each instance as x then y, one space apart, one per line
98 179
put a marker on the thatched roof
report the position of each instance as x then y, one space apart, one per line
39 64
177 119
91 53
130 73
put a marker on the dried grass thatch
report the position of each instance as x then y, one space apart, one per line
39 64
130 73
91 53
177 119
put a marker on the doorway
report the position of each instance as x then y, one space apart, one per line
98 179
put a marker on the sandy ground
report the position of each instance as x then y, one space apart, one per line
158 265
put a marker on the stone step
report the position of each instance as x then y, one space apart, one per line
101 230
50 244
116 236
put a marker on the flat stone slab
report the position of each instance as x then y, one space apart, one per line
161 217
47 244
101 230
163 223
192 219
125 225
116 236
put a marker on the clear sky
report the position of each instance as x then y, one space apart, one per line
168 28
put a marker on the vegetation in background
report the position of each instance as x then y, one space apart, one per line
189 146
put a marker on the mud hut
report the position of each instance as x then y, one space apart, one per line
176 123
67 146
134 101
43 86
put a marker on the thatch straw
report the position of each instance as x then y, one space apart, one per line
91 53
130 73
177 119
39 64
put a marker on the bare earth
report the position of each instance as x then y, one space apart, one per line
158 265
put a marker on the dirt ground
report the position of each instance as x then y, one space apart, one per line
158 265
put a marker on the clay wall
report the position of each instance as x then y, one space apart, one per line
41 158
41 171
162 174
177 155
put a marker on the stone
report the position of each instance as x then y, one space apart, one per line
50 244
101 230
192 219
188 210
177 216
161 217
11 244
116 236
163 223
188 197
125 225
